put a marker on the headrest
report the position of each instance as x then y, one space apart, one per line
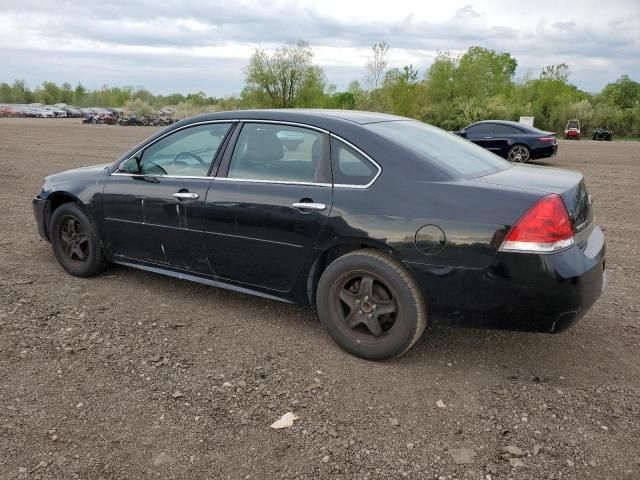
264 144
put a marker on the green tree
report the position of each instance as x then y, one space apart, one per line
79 94
400 91
66 93
440 80
49 94
6 93
287 78
375 70
624 93
21 94
482 73
559 73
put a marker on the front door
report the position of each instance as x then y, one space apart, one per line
266 210
481 134
154 203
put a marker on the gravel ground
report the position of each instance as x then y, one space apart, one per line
133 375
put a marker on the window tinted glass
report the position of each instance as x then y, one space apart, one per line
349 167
187 152
506 130
277 152
446 150
480 129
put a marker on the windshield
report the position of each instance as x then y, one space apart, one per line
446 150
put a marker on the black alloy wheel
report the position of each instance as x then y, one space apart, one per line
75 241
370 305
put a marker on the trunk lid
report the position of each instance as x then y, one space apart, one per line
568 184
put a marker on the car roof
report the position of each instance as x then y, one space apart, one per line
311 116
504 122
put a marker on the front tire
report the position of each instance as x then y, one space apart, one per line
519 154
370 305
75 241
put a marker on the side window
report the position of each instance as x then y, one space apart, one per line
350 167
506 130
480 130
187 152
279 153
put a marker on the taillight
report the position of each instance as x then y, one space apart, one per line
545 228
547 139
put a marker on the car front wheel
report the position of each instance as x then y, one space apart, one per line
75 241
370 305
519 154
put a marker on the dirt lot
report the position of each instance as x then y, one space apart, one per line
133 375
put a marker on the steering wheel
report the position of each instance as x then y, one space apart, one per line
176 159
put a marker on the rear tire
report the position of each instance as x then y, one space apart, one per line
519 154
370 305
75 241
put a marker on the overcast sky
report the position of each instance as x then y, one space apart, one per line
188 46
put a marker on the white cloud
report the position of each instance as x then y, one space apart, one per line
176 46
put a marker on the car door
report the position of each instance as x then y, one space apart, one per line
153 204
503 137
268 205
481 134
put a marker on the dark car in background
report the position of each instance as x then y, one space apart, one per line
602 134
511 140
377 221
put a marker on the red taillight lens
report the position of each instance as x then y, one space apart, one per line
546 227
547 139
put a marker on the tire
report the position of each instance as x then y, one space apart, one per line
75 241
370 305
519 154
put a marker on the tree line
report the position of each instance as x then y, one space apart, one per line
454 91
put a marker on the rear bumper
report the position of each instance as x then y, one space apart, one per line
545 152
520 291
41 213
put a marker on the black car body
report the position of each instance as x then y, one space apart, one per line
511 140
261 220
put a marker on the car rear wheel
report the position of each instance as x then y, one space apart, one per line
519 154
75 241
370 305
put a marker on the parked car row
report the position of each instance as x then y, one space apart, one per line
37 111
96 115
112 116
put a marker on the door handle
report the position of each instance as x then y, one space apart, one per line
309 206
487 137
186 195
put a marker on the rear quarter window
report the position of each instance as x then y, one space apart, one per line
350 167
460 157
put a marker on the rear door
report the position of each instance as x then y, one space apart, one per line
268 205
503 137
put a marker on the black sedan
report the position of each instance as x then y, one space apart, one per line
379 222
511 140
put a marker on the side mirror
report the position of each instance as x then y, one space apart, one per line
462 133
131 165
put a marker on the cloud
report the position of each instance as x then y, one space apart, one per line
175 45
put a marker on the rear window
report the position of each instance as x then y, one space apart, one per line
445 150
